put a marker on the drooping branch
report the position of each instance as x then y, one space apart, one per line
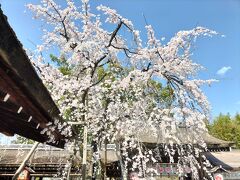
126 50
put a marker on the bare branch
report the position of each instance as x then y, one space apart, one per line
100 80
148 67
62 22
96 64
104 63
126 51
114 33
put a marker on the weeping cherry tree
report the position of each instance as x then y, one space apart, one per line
114 83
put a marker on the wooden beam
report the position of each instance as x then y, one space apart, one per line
13 109
14 125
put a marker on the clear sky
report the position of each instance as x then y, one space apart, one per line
220 56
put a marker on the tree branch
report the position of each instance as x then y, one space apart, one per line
148 67
100 80
114 33
62 22
96 64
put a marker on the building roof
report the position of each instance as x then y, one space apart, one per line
228 160
184 136
25 104
44 155
213 141
46 161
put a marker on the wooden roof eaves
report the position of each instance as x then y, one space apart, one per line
18 76
15 57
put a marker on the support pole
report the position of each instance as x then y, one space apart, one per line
84 161
69 172
119 155
105 162
21 167
94 164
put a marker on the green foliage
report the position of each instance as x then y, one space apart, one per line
163 95
22 140
226 128
62 64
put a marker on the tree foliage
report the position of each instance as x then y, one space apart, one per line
22 140
227 128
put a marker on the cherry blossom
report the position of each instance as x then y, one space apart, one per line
107 87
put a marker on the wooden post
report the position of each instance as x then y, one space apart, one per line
119 155
84 161
105 162
94 164
21 167
69 172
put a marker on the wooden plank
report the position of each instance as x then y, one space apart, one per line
12 86
13 108
22 128
15 116
12 122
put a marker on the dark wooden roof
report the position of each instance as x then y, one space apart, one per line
229 160
29 98
44 155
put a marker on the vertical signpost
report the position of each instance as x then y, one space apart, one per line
84 161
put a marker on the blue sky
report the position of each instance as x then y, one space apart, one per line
220 56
